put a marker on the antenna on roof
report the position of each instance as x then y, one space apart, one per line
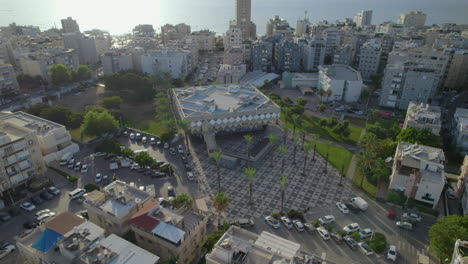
305 14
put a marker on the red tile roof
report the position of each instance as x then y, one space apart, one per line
142 220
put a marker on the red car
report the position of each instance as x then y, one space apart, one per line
391 214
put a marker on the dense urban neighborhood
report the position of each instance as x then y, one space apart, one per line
329 142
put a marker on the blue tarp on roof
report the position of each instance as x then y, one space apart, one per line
47 240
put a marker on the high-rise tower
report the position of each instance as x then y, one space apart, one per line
243 18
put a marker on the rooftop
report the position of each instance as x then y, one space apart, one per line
277 245
257 78
217 99
424 113
341 72
33 123
421 152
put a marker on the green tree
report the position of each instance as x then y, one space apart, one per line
321 94
369 141
283 181
37 109
126 152
444 233
272 138
327 146
378 242
328 93
295 140
57 114
59 74
365 161
283 151
217 154
248 140
83 73
321 108
307 147
111 102
221 203
96 123
419 136
250 172
182 200
184 124
144 159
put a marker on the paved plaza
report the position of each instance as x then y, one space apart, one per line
312 190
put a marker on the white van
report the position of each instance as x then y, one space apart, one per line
77 193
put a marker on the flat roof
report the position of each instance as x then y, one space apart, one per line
257 78
277 245
341 72
38 125
217 99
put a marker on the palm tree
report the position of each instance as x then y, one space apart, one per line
285 133
307 147
184 124
283 184
250 173
295 120
283 151
221 203
295 139
248 140
365 161
315 137
272 139
328 93
321 93
217 157
327 144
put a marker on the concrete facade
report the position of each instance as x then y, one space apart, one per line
423 116
233 56
69 25
230 73
205 39
39 63
8 82
243 19
113 61
233 38
363 18
460 128
412 19
279 27
287 56
457 77
418 171
313 53
369 58
462 187
176 62
262 55
344 82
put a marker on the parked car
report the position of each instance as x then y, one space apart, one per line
125 133
41 212
44 217
27 206
184 159
287 222
366 249
327 219
323 233
272 222
170 192
105 180
98 178
298 225
352 244
338 239
53 190
352 208
190 175
71 164
343 208
78 166
152 141
37 200
354 227
172 151
84 168
180 149
310 228
158 174
47 195
404 225
132 136
4 216
365 233
30 224
166 145
99 154
244 222
138 136
391 253
6 249
411 217
144 140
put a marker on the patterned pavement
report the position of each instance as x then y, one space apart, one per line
314 189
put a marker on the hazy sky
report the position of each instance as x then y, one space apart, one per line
119 16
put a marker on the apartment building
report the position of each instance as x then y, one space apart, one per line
69 25
53 139
462 187
8 83
176 62
262 55
363 18
458 67
239 245
460 128
415 19
313 53
302 27
21 158
113 206
68 238
278 26
418 171
233 38
231 73
89 47
115 61
344 82
170 233
205 39
423 116
332 36
406 82
144 30
174 32
39 63
243 19
287 56
233 56
369 58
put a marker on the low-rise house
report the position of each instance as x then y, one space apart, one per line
344 82
112 207
423 116
170 233
238 245
418 171
460 128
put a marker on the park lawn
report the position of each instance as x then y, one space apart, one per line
359 122
337 156
368 187
76 135
310 125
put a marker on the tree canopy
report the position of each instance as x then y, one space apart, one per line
83 73
420 136
59 74
99 123
111 102
58 114
143 159
137 87
445 232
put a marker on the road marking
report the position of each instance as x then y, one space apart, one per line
324 255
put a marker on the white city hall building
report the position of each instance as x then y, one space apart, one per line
224 108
